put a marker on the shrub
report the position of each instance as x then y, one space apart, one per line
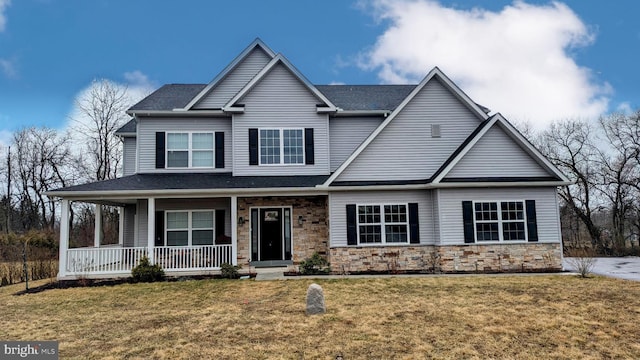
315 265
145 272
230 271
582 261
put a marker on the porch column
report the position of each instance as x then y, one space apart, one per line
64 238
234 230
151 227
97 231
121 225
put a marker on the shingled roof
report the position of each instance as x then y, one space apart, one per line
184 181
347 97
169 97
366 97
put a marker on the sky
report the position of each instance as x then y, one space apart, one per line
533 61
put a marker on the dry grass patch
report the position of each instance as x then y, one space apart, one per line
525 317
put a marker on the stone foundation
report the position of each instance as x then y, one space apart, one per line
312 236
530 257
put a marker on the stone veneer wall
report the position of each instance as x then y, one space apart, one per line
312 236
528 257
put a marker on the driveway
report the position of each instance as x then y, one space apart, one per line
618 267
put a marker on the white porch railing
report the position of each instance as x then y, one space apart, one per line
120 260
104 260
208 257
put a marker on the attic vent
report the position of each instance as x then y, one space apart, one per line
435 130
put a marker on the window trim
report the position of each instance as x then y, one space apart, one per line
190 149
383 224
281 147
500 221
189 228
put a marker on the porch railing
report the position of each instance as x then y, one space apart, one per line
192 258
105 260
120 260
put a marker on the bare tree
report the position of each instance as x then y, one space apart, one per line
40 163
101 112
570 146
619 173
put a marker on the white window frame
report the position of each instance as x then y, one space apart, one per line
500 221
382 224
281 147
190 150
189 229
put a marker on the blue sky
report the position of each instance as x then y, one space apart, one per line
533 61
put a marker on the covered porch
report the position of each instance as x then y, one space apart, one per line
185 236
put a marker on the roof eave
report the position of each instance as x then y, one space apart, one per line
112 194
176 112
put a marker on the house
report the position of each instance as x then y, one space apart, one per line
262 168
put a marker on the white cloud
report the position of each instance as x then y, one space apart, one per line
3 18
516 61
5 138
8 67
625 108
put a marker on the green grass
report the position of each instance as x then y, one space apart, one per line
523 317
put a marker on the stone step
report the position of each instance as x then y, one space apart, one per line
271 275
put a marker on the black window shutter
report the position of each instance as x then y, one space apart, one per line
159 228
253 146
308 146
220 222
219 150
352 231
160 150
414 228
532 225
467 220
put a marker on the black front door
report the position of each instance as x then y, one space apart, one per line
270 234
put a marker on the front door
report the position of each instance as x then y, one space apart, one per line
271 234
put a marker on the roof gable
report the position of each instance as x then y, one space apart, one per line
496 154
279 60
236 75
496 132
435 76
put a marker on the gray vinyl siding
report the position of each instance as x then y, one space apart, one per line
147 128
196 204
280 100
338 214
496 154
228 87
346 134
451 229
405 150
128 235
143 220
128 156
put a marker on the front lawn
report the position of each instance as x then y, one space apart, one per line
524 317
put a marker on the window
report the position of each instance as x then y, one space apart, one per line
186 150
187 228
281 146
499 221
382 224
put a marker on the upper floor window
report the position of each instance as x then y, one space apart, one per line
190 150
281 146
